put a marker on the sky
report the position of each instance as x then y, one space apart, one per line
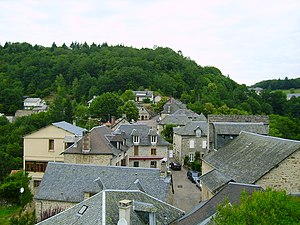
249 41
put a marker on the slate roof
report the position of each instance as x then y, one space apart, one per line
148 94
250 156
32 100
143 131
172 106
99 143
69 127
69 182
235 128
189 113
231 192
190 127
180 120
102 208
213 179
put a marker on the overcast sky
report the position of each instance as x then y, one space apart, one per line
248 40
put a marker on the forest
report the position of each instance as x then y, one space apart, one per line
67 77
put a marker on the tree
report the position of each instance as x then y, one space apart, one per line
130 110
106 105
167 132
269 207
128 95
10 189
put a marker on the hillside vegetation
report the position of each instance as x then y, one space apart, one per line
67 77
279 84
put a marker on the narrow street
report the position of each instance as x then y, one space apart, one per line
186 194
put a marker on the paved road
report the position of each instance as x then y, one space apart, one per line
186 194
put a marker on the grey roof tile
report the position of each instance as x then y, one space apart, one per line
214 180
102 208
190 127
69 182
142 130
237 127
69 127
231 192
250 156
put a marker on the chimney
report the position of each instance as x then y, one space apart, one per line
113 121
124 211
86 142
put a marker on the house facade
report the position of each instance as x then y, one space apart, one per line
31 103
65 185
140 96
253 159
46 145
146 147
189 139
98 147
222 129
144 113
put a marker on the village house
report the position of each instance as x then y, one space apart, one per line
65 185
113 207
189 139
144 112
204 212
253 159
289 96
34 103
146 147
46 145
141 96
171 106
98 147
222 129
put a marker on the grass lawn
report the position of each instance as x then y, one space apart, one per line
7 212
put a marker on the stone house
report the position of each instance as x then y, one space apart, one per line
189 139
146 147
98 147
171 107
113 207
289 96
65 185
222 129
144 112
46 145
143 95
204 212
253 159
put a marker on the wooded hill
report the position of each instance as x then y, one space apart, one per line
68 76
279 84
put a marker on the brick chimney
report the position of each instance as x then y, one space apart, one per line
124 211
86 142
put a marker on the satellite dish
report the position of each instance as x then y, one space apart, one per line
122 221
21 190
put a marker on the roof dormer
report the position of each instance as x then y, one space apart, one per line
198 132
135 136
153 136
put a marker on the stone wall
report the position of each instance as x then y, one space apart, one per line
103 160
286 176
43 205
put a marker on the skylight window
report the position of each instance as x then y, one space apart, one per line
82 210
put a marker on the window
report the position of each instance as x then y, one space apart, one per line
153 139
136 150
153 164
82 210
198 133
35 166
192 157
51 145
135 139
153 151
192 144
136 164
36 183
203 144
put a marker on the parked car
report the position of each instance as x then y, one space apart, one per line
198 184
175 166
193 175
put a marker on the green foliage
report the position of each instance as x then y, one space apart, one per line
269 207
186 160
9 212
167 132
10 189
279 84
284 127
130 110
105 106
27 218
128 95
